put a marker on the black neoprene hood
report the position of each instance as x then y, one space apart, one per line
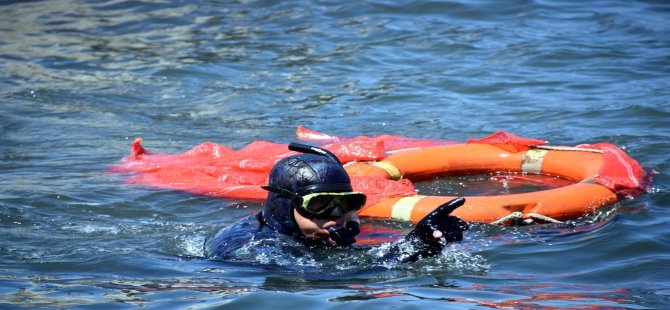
302 174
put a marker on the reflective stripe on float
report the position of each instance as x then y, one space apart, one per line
532 161
402 209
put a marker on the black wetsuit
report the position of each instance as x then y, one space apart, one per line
249 240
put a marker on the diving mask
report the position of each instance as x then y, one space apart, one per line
322 205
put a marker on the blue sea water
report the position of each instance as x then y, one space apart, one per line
79 80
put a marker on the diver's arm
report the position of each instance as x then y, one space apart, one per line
429 236
225 243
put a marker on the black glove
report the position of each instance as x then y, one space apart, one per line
437 229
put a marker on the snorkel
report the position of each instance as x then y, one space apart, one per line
344 236
310 149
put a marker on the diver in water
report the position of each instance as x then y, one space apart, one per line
311 204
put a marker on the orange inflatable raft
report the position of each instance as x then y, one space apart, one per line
581 165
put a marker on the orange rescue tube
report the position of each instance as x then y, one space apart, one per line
559 204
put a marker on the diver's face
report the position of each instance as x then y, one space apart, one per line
316 229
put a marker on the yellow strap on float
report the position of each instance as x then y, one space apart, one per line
393 171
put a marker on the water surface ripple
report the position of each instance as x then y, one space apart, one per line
79 80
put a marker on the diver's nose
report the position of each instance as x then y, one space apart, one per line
336 213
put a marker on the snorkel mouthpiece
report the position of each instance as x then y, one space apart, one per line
344 236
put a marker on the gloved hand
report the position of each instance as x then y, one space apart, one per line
437 229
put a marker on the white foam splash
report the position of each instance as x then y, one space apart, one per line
93 229
191 245
455 258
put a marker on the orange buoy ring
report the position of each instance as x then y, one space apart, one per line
553 205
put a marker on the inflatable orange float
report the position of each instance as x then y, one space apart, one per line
581 165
